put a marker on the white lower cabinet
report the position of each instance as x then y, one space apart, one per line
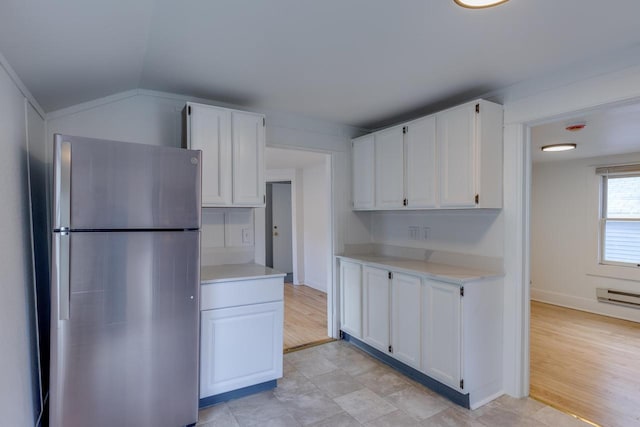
391 314
450 332
406 314
351 298
375 306
442 329
240 347
241 328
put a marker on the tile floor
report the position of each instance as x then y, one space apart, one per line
338 385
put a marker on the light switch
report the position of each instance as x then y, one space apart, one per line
246 235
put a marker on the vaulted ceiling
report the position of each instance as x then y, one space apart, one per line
358 62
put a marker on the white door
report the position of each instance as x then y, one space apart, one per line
362 157
442 332
281 227
248 141
421 163
240 346
376 307
351 298
456 133
209 132
406 308
389 170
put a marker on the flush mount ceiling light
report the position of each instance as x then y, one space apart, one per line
559 147
479 4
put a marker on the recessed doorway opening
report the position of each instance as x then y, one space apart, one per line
298 240
583 352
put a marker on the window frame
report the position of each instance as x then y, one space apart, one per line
603 218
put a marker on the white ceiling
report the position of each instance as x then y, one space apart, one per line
358 62
279 158
610 131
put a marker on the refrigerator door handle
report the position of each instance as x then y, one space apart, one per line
62 184
63 277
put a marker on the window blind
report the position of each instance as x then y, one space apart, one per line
618 170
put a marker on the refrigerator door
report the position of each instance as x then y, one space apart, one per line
125 329
106 185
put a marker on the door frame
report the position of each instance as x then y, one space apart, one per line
282 175
605 90
259 225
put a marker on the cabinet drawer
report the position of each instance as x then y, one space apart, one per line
240 292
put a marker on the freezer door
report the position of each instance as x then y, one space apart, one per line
116 185
125 329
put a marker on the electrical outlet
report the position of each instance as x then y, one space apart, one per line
414 232
426 232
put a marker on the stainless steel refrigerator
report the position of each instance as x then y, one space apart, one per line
125 284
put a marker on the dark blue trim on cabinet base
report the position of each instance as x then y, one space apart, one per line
236 394
437 386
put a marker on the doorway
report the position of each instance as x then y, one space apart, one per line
583 351
278 229
298 240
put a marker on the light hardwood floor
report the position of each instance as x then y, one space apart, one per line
586 364
305 316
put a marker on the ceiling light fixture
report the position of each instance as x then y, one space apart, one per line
559 147
479 4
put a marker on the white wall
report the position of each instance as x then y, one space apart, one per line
19 400
317 217
564 238
222 239
475 232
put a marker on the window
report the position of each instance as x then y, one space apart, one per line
620 215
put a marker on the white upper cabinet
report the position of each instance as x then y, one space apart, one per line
208 129
389 170
362 172
456 143
232 144
469 139
421 163
247 142
450 160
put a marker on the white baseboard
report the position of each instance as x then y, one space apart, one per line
482 402
586 304
316 285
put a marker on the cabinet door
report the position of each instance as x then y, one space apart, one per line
389 169
351 298
376 308
420 169
442 332
363 177
240 346
248 141
209 132
456 133
406 307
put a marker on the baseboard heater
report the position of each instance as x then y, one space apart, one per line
612 296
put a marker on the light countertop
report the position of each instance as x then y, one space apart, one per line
444 272
233 272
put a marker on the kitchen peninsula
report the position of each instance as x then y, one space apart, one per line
241 329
